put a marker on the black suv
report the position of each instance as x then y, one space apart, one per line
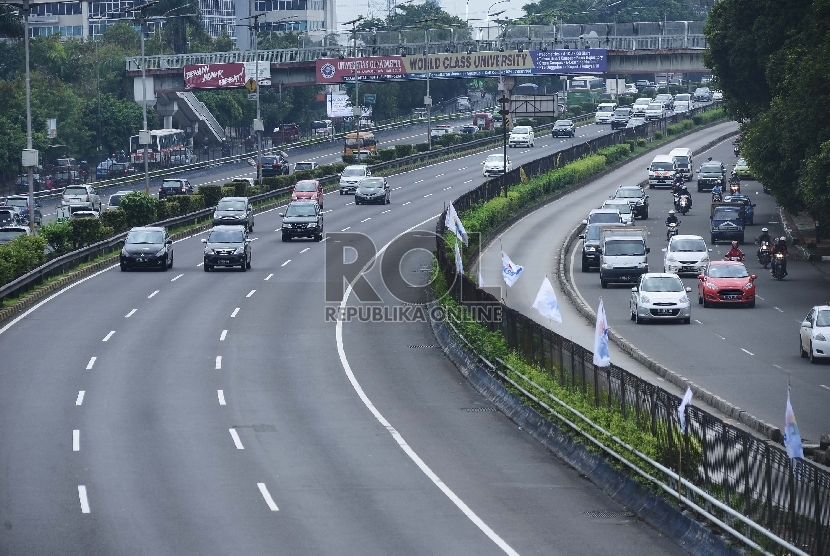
590 244
636 197
275 165
710 174
302 219
234 211
174 186
620 118
227 246
563 128
8 217
147 247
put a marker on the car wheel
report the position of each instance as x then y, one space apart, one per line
801 351
164 267
811 355
341 191
637 319
687 320
751 304
706 304
356 202
206 268
285 237
248 264
243 267
124 267
318 237
388 200
645 214
633 316
171 261
604 283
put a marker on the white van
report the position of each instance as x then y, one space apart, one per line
661 171
605 112
683 162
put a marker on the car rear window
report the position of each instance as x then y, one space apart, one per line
75 191
8 235
145 236
17 202
602 217
305 186
623 247
114 200
171 184
622 208
304 166
688 245
231 205
226 236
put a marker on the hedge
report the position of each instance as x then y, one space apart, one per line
403 150
86 231
349 158
211 194
139 208
115 219
387 154
20 255
421 147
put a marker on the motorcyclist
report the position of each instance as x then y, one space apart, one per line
779 246
684 192
764 237
671 219
84 166
677 182
717 191
734 252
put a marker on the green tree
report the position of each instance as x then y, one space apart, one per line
548 12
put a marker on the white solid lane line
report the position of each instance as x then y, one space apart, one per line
235 312
825 387
221 394
218 361
177 277
236 441
779 310
304 250
84 501
346 228
91 363
76 440
80 399
108 336
222 335
250 293
131 313
747 351
200 264
268 500
268 277
152 295
286 262
365 220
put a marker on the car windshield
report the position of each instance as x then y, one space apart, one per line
145 236
17 202
114 200
741 162
662 284
303 166
622 208
728 271
687 245
521 130
354 172
624 247
306 186
605 109
644 101
564 123
682 160
603 217
655 106
622 112
8 235
628 194
662 166
823 318
219 235
371 183
231 205
725 213
710 169
75 191
300 210
496 158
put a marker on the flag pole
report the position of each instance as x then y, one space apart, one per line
680 467
504 291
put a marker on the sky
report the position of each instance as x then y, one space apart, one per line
350 9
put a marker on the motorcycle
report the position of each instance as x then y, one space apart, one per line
779 266
736 258
735 188
764 255
672 230
684 205
226 150
717 197
737 150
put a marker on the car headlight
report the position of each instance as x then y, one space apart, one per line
161 252
820 337
124 253
642 265
748 286
704 259
239 250
684 300
607 266
711 286
671 259
590 249
644 299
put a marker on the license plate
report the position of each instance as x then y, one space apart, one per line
731 296
663 311
687 269
625 278
222 261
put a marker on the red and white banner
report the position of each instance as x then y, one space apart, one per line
214 76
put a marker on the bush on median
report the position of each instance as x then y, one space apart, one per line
211 194
403 150
20 255
139 208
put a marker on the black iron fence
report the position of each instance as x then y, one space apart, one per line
753 476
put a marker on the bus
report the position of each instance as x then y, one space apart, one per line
366 142
162 144
585 88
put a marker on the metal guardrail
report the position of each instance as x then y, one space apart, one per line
725 470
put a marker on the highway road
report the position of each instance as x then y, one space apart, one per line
187 412
743 355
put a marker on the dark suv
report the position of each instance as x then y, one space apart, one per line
174 186
563 128
620 118
590 245
710 174
20 203
234 211
636 197
227 246
147 247
275 165
302 219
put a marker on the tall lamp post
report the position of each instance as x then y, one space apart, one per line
428 98
505 106
30 155
356 109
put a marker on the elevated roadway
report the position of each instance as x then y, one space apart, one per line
187 412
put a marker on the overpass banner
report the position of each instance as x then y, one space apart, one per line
477 64
225 76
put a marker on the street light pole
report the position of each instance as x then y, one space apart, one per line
32 162
145 131
356 111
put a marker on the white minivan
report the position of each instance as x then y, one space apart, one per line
682 162
605 112
661 171
521 136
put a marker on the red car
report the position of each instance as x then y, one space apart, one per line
726 282
308 189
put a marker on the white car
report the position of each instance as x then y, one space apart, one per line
494 165
717 95
631 89
686 254
655 111
352 176
660 296
623 207
681 107
305 165
640 105
814 340
521 136
605 112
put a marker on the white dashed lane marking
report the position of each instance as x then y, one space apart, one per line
387 210
268 500
268 277
83 498
346 228
406 203
91 363
152 295
218 361
747 351
236 440
80 399
177 277
250 293
108 336
131 313
779 310
221 395
304 250
365 220
235 312
76 440
286 262
222 335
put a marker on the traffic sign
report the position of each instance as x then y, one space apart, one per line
370 98
504 100
252 96
504 112
251 84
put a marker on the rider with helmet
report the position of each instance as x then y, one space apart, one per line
735 252
683 191
717 191
671 219
779 246
764 237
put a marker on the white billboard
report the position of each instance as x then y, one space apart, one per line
338 105
264 77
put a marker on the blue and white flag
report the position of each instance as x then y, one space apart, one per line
792 438
453 222
546 302
509 271
681 410
602 357
480 279
459 265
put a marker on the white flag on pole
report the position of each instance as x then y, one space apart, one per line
453 222
459 265
546 302
480 279
681 410
602 357
792 438
509 271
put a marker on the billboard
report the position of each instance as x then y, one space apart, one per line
338 105
225 76
476 64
